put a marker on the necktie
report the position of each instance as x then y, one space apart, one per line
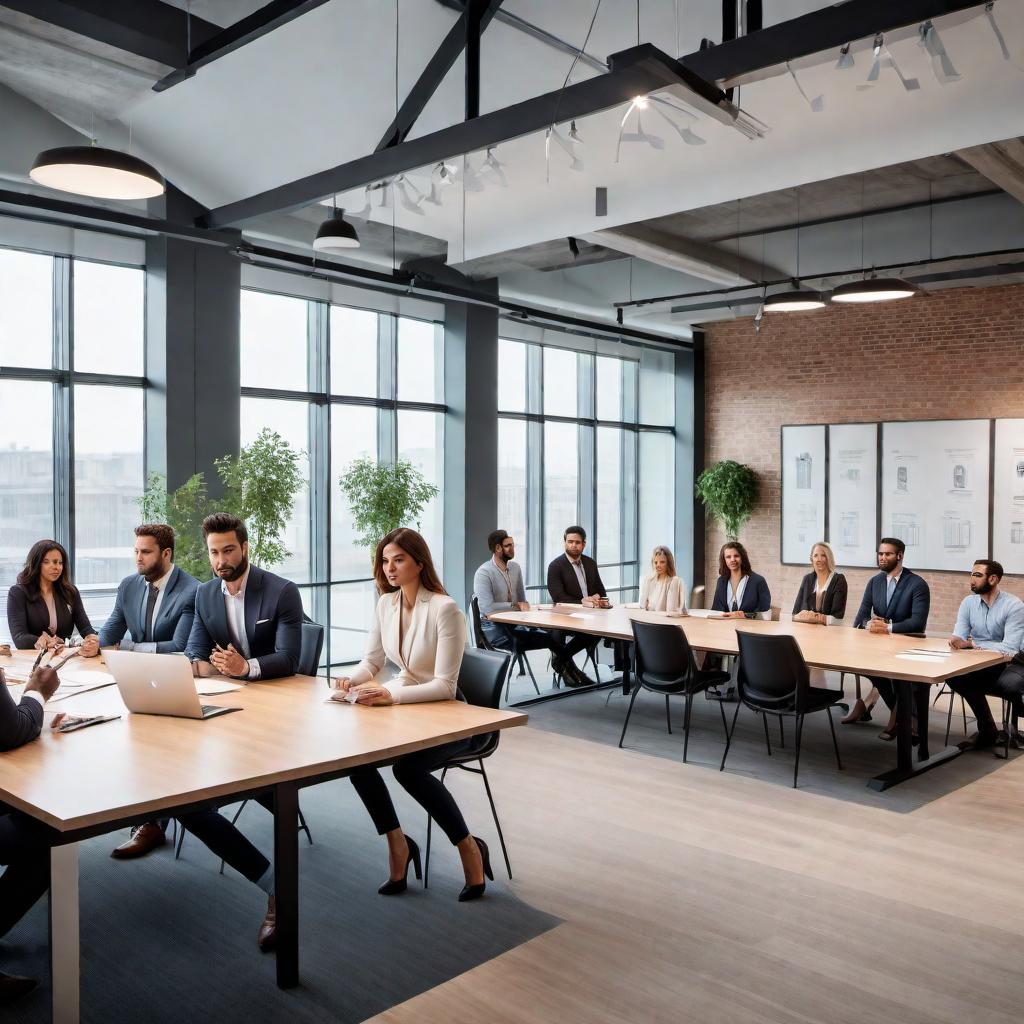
735 607
889 588
154 593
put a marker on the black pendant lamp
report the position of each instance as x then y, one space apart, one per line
875 289
336 234
97 172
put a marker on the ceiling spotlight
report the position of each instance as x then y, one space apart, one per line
884 58
364 210
640 102
796 300
97 172
941 64
654 141
875 289
990 15
574 136
409 195
336 234
845 58
496 169
566 145
817 105
687 134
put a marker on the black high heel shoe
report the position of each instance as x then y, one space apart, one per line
474 892
394 886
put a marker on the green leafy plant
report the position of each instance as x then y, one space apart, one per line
184 509
384 496
260 485
729 493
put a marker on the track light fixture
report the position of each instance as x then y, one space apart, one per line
845 58
97 172
990 14
687 134
884 58
567 146
817 104
941 64
639 103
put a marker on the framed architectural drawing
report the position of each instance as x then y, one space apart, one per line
853 493
804 467
1008 495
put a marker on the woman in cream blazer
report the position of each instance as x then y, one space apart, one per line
420 629
663 590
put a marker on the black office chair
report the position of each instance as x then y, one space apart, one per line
665 665
773 679
309 661
481 679
944 690
483 644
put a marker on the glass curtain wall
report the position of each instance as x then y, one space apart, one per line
339 383
588 439
72 380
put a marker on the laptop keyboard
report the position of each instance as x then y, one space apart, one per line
208 708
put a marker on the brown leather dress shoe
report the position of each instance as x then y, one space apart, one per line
144 838
267 937
13 987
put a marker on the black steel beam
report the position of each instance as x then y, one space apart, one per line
433 75
752 56
148 28
651 71
255 26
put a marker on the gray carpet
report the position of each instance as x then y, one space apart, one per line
165 941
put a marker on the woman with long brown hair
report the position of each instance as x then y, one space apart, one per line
740 592
420 629
44 607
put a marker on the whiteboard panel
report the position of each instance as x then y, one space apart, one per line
803 491
853 492
1008 496
935 488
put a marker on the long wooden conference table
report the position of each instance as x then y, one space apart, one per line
835 648
139 767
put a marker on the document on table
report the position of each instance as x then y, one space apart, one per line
934 652
211 687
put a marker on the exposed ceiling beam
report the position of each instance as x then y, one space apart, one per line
248 30
637 71
433 75
1001 162
147 28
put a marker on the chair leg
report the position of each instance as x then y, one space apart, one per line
728 736
835 744
767 741
426 856
857 680
529 668
725 727
943 689
799 731
629 711
963 711
949 720
668 716
782 735
181 840
497 824
303 827
686 722
519 663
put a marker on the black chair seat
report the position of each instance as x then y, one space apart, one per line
482 746
712 677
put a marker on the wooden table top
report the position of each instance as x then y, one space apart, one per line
144 763
839 648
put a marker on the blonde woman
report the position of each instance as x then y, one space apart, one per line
662 590
822 595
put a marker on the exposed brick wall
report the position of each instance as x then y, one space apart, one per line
951 354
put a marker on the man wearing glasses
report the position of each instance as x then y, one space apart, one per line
989 619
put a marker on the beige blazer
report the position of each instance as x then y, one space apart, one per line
663 595
430 656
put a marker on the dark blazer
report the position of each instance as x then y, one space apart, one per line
173 622
832 603
908 609
28 617
19 723
756 595
563 584
273 623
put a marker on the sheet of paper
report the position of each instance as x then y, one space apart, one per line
211 687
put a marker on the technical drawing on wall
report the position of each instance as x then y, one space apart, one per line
907 531
853 492
1017 532
1008 495
956 532
901 478
852 474
959 477
849 530
804 464
803 489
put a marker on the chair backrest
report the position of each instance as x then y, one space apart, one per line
772 671
482 676
661 649
312 646
698 595
480 640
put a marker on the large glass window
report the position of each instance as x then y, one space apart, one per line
72 432
601 454
337 402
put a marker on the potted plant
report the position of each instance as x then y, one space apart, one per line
729 493
384 496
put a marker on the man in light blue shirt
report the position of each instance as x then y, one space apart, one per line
990 619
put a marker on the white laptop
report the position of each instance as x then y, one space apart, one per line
158 684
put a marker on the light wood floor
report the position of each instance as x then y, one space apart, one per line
690 895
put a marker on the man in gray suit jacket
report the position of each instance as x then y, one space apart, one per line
24 842
153 615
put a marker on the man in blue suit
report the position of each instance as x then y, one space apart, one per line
895 601
153 615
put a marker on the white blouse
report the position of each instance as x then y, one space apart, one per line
664 595
430 655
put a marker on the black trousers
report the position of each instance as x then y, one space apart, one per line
414 773
531 638
25 850
1004 681
887 691
224 840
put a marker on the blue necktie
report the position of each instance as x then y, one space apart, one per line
890 587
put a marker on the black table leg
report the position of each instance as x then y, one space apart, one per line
905 768
626 651
286 882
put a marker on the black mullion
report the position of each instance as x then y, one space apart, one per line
64 406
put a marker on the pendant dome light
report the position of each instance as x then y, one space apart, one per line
875 289
97 172
797 299
336 234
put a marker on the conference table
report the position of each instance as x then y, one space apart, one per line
138 767
835 648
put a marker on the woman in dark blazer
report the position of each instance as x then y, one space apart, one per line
44 606
740 592
822 594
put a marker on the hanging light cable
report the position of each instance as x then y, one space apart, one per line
797 299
